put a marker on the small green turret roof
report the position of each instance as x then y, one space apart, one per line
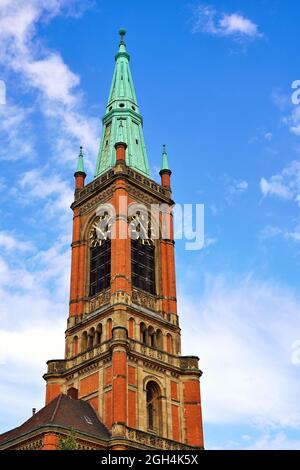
122 116
80 163
164 163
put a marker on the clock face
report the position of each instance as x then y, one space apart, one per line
100 230
140 229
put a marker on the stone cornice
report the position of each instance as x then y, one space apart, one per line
136 180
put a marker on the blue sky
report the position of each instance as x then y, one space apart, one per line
213 81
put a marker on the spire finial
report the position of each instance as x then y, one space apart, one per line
165 165
80 164
165 171
122 33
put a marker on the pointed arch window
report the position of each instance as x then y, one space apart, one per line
100 255
100 267
153 407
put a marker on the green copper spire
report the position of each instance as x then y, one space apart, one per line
80 164
122 115
164 164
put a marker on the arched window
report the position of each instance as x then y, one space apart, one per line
151 337
143 265
84 341
169 344
75 346
91 336
109 329
100 267
153 407
131 328
159 339
143 333
98 334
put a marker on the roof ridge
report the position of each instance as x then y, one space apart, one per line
56 407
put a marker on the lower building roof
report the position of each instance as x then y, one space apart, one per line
64 411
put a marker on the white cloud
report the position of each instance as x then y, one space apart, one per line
33 312
30 348
243 331
235 25
268 136
209 241
274 441
289 234
52 189
45 72
267 440
234 187
285 103
17 138
294 121
238 24
53 78
9 242
285 185
2 183
280 100
275 186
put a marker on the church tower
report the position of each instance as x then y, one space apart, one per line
123 340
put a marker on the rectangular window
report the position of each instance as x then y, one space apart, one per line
143 266
100 267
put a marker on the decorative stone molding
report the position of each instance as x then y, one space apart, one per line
156 442
118 430
32 445
92 203
189 363
85 445
145 300
120 297
153 353
99 301
56 366
94 185
148 185
152 366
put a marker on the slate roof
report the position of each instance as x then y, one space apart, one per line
65 411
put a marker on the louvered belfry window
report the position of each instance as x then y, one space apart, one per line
100 267
143 265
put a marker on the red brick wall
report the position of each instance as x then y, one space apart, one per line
89 384
119 386
108 375
131 375
131 328
108 409
175 423
192 413
132 408
52 391
50 442
169 344
174 391
94 402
